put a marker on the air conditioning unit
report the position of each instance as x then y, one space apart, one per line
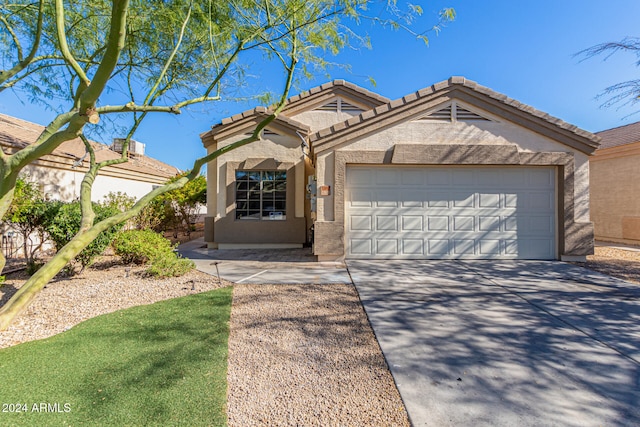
135 147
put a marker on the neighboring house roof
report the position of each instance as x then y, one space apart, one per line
16 134
622 135
306 100
415 104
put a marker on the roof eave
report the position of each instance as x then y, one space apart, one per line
401 109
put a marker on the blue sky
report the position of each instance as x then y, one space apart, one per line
524 49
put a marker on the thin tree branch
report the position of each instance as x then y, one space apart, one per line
170 58
64 47
24 63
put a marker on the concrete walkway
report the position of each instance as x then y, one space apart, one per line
506 343
264 266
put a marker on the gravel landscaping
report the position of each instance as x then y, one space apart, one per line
100 289
298 354
616 262
305 355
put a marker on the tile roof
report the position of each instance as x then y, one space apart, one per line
17 133
296 102
585 139
622 135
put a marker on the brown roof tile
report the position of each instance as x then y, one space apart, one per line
622 135
587 140
17 133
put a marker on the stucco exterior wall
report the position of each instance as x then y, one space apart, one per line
461 143
273 152
478 133
615 194
64 185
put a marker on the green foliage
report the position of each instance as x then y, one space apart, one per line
140 246
33 266
118 200
66 224
185 202
146 246
29 213
163 364
170 266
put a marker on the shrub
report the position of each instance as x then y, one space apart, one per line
66 223
140 246
170 266
146 246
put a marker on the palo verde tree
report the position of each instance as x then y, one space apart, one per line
108 64
622 93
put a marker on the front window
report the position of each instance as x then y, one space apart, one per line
261 195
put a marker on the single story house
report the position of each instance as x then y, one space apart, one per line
615 185
455 170
61 172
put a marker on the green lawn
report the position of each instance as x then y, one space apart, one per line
161 364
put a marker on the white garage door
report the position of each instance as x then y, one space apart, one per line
450 212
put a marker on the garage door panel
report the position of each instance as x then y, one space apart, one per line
412 177
463 200
387 177
412 247
438 247
463 223
387 223
387 246
488 200
413 223
489 247
361 247
453 212
360 199
464 247
436 177
438 223
489 223
360 223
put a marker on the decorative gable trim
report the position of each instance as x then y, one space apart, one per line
248 120
326 93
455 112
339 105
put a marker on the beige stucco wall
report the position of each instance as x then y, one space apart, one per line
60 184
615 194
273 151
318 119
460 133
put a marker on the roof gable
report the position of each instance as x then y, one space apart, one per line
436 98
345 95
248 120
319 96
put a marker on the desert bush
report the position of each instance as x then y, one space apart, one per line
66 223
140 246
170 266
148 247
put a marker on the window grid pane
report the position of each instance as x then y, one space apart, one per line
261 195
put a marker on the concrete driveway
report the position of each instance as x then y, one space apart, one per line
506 343
264 266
